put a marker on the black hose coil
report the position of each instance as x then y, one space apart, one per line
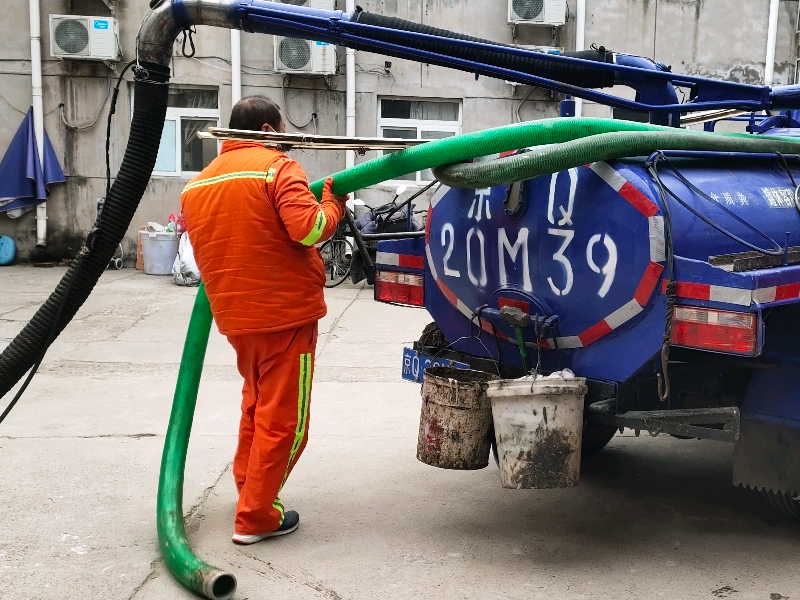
578 75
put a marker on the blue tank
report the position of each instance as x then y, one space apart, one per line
589 247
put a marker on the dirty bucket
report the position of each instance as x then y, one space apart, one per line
456 419
160 250
538 425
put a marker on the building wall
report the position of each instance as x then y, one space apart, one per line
703 37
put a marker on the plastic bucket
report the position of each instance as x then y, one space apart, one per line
160 250
538 425
456 419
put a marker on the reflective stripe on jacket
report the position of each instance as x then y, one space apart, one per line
253 222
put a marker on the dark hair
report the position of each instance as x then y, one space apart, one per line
252 112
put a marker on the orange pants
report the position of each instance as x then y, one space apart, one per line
277 370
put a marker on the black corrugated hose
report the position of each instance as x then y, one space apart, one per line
566 73
150 106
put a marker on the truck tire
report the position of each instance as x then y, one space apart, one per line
783 504
595 438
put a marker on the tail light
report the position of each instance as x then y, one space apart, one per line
716 330
400 288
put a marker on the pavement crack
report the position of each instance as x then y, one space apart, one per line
197 506
338 320
187 517
326 592
135 436
146 580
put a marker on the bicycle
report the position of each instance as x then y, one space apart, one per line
337 256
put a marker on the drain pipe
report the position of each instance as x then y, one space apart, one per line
580 44
236 66
350 102
38 111
772 42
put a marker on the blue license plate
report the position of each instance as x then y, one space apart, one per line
414 364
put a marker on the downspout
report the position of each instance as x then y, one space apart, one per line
580 44
38 111
236 66
772 42
350 102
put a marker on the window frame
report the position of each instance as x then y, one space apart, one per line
454 127
175 114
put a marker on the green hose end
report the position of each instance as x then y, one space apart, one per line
185 566
218 585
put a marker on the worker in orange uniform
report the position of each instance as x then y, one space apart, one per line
253 222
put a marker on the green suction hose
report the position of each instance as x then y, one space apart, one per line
178 556
493 141
606 146
192 572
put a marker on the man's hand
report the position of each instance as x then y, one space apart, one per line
328 195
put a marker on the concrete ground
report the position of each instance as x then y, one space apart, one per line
79 458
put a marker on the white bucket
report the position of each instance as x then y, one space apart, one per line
538 425
160 250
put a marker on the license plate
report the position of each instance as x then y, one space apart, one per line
414 364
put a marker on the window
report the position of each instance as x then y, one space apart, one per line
418 120
189 110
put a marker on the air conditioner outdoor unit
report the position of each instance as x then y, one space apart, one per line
537 12
84 38
293 55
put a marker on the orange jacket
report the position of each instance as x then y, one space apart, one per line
253 222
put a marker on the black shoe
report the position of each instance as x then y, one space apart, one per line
291 521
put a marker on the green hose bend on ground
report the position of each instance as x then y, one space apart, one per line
214 583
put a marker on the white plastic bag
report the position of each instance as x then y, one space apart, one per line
184 270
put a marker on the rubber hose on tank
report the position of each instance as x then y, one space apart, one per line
79 280
566 73
601 147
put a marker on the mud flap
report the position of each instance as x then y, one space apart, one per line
767 456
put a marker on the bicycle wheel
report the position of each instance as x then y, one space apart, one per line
337 256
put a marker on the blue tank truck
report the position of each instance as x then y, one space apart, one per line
585 255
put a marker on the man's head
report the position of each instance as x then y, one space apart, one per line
257 113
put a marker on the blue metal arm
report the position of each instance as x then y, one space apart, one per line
654 84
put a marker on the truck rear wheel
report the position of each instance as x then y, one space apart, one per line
595 438
784 504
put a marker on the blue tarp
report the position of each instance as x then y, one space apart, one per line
22 181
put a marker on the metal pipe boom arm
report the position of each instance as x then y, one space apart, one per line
654 83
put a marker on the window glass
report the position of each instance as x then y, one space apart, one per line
192 98
437 111
436 135
419 109
400 132
165 162
396 109
196 152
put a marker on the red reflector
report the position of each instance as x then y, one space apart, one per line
717 330
400 288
